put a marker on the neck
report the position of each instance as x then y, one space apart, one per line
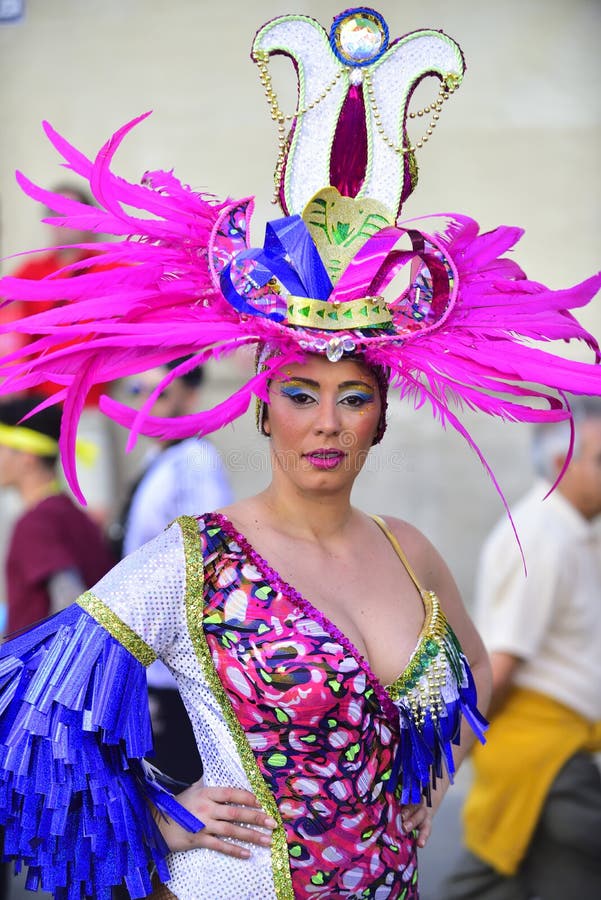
36 486
570 490
313 516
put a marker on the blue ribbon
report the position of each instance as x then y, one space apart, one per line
288 254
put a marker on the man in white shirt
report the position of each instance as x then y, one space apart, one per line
533 816
180 478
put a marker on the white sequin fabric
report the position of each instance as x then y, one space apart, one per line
147 591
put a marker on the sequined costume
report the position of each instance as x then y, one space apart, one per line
281 703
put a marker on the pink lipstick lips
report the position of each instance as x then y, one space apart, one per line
325 459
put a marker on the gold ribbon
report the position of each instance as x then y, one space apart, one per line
338 315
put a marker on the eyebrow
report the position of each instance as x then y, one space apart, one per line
315 384
363 384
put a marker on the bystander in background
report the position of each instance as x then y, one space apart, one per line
533 816
178 478
63 260
56 551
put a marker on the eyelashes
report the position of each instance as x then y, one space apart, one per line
356 397
351 397
296 392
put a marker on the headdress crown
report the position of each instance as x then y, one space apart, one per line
186 283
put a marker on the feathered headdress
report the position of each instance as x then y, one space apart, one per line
183 280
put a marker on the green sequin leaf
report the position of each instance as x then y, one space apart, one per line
277 760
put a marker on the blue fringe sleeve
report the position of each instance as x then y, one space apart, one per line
74 786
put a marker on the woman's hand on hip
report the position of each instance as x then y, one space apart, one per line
228 814
418 817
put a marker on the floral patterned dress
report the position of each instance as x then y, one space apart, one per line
312 712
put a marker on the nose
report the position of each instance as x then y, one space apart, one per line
327 420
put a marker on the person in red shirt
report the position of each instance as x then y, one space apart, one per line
48 262
56 551
99 484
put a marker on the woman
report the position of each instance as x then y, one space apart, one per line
324 657
333 652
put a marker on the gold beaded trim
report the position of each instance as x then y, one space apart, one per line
422 681
280 864
261 58
448 86
337 315
116 628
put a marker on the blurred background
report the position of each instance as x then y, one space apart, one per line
519 143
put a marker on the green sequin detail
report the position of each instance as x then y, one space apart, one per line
194 609
116 628
422 681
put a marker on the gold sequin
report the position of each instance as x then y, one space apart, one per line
115 627
437 654
194 611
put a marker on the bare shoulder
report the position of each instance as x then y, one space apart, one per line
241 512
433 574
427 563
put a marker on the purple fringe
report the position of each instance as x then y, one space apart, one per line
74 786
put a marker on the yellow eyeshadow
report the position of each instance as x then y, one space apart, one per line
298 382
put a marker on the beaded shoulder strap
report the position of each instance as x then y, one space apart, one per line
397 547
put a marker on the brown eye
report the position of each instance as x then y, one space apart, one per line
356 399
298 395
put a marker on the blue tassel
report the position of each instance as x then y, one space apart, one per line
425 748
74 785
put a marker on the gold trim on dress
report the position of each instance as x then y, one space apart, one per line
128 638
194 611
425 675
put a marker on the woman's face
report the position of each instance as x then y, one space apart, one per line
322 418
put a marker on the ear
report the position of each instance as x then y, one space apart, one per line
558 462
266 428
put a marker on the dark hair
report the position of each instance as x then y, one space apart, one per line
80 193
191 379
46 421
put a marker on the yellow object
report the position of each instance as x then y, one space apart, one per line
340 226
86 451
528 742
28 440
368 312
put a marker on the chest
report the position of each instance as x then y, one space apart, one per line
369 598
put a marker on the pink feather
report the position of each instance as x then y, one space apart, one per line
153 297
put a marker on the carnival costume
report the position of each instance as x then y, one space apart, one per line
282 703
